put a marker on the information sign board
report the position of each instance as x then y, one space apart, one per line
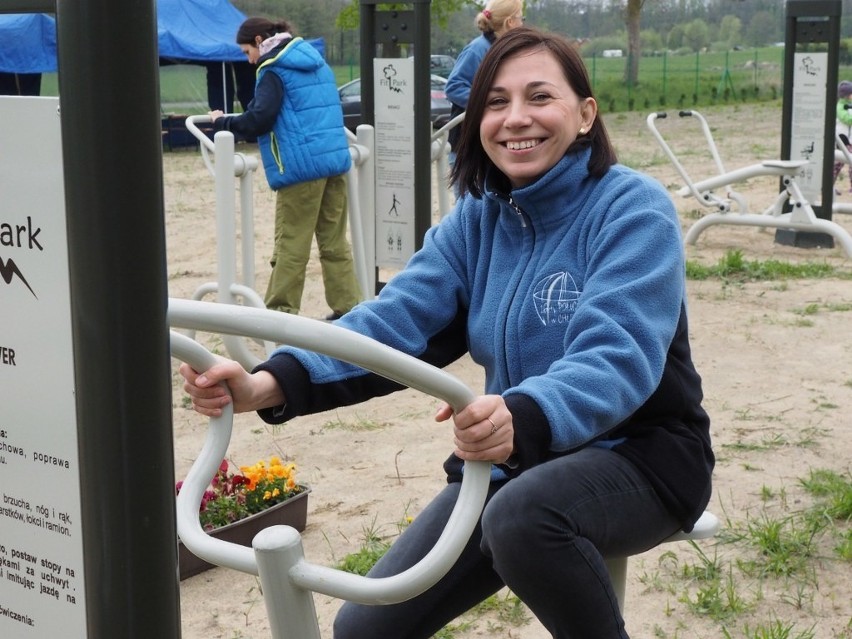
42 590
394 123
807 134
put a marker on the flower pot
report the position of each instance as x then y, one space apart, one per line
293 512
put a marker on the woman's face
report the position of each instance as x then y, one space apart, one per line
252 52
532 116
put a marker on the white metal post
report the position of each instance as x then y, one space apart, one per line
366 136
290 608
360 158
245 168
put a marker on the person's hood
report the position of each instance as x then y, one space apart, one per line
295 54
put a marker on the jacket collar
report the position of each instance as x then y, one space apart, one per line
560 187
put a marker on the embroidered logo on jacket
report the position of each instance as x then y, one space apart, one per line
555 298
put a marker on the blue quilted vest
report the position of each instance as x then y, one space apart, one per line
308 140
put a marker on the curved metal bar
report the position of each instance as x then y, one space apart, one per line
357 349
207 146
445 130
801 217
206 464
321 337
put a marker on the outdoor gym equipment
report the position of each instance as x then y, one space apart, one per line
440 153
229 290
842 154
277 557
229 164
361 197
731 207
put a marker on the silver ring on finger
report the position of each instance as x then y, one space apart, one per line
494 427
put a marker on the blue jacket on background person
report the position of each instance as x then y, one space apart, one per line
310 117
461 77
311 109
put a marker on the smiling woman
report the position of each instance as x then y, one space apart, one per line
561 274
532 116
540 87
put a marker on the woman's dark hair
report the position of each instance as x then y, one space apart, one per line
253 27
472 163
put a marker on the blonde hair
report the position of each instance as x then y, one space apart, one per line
495 14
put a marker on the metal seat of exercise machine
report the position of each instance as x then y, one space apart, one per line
706 526
761 169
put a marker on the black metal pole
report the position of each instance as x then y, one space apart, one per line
367 26
391 29
422 123
110 115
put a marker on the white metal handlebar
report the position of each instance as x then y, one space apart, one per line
354 348
198 133
243 164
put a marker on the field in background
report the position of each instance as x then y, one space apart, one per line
682 81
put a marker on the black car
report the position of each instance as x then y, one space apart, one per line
350 100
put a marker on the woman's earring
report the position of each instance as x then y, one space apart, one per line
582 130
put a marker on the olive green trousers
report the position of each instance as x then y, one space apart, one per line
318 207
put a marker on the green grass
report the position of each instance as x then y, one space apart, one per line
186 85
760 557
358 424
775 629
372 548
757 556
734 267
833 492
689 80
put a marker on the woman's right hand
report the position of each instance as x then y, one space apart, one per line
248 391
483 430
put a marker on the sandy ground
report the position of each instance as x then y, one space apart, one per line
776 358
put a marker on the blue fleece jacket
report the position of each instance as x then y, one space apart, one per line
461 77
570 293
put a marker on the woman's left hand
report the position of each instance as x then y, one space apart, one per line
483 431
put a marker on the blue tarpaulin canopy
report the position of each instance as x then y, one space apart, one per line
187 30
192 30
203 31
27 43
199 30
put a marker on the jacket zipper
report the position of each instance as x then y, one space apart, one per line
276 152
521 218
518 212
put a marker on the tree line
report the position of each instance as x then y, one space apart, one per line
663 25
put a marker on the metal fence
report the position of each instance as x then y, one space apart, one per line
689 79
